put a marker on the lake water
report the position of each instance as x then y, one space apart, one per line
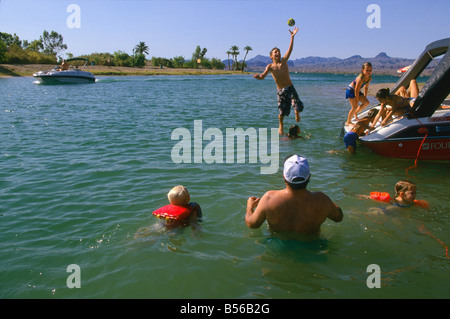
82 167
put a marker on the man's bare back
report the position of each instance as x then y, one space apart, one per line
292 210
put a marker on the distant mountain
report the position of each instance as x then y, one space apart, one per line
382 64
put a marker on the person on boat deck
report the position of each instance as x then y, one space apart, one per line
286 94
358 130
293 211
64 66
400 105
361 81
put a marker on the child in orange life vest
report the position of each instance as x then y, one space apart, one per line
405 195
180 210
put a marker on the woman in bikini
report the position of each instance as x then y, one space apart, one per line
400 105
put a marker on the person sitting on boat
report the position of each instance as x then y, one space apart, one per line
413 90
400 105
64 66
358 130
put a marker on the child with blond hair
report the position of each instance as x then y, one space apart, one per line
179 209
405 196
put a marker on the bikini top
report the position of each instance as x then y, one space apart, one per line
353 84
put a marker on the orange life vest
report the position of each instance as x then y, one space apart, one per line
385 197
422 203
381 196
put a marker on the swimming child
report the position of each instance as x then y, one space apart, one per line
286 93
180 210
361 81
400 105
294 132
358 130
405 196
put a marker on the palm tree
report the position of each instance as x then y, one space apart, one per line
141 48
228 53
234 52
247 48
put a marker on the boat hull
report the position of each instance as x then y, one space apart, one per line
430 149
424 138
63 77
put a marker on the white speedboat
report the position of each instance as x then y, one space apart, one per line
424 133
71 75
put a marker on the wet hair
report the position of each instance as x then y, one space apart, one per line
383 94
403 186
294 130
178 195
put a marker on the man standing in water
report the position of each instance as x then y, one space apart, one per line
287 95
293 209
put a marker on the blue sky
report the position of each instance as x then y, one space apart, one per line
328 28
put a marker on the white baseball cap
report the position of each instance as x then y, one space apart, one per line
296 170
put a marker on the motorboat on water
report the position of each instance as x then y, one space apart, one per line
72 75
424 132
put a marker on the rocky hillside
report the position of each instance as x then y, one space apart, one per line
382 64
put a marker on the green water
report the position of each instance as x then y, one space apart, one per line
82 167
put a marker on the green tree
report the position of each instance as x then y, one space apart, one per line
217 64
35 45
234 52
141 48
139 60
122 59
178 61
247 48
228 60
9 39
52 43
2 51
198 54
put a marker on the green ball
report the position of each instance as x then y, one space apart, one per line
291 22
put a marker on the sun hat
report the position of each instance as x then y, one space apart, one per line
296 170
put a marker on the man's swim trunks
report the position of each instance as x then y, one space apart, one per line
288 97
350 139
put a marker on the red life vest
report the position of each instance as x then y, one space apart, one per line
174 212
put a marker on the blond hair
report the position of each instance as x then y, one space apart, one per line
178 195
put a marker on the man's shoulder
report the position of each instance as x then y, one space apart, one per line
271 193
319 195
